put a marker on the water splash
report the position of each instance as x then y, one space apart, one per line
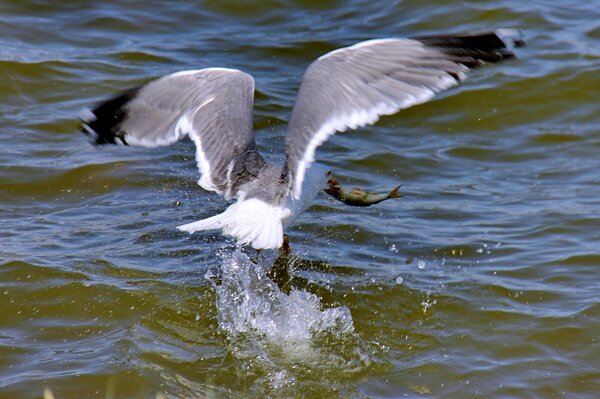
248 302
281 338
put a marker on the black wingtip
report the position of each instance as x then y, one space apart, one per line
473 48
102 123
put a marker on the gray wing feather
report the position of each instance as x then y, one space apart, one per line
354 86
213 106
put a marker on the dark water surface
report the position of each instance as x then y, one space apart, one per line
483 281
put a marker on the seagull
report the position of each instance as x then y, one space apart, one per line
344 89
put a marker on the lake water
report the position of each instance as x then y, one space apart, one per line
483 280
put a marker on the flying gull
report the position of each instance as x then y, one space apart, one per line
346 88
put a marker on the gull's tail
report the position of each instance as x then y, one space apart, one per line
250 221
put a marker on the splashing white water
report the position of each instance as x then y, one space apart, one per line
248 302
282 339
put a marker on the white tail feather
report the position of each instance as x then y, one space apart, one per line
250 221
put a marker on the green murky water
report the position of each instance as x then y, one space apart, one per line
482 281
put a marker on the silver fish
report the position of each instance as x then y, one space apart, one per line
357 196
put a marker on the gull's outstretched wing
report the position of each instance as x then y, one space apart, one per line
353 86
213 106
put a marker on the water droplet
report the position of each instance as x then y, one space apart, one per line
197 317
421 264
399 280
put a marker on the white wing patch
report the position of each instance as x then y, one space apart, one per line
185 126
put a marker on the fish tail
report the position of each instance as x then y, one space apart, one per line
395 193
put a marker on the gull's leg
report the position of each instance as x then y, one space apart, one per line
357 196
279 272
285 249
